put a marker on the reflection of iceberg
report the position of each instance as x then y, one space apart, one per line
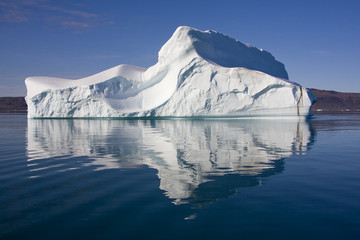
189 153
186 153
109 144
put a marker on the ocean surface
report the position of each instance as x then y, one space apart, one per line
180 178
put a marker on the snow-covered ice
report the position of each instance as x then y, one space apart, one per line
198 73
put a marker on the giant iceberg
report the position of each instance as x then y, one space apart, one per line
198 73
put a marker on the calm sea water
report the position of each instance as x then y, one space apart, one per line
180 178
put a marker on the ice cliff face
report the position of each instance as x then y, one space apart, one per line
198 73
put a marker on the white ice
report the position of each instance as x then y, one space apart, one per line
198 73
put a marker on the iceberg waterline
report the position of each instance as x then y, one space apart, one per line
198 73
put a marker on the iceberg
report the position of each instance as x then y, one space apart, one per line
198 73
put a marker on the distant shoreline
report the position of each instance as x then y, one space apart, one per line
328 102
335 102
13 105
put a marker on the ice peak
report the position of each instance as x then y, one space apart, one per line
222 50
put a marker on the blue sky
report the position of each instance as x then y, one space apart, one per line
318 41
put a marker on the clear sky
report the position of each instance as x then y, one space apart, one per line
318 41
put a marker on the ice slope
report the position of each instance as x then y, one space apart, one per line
198 73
